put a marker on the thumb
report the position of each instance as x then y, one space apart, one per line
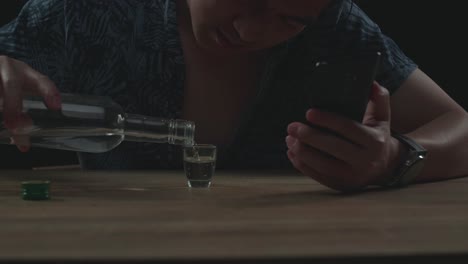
378 108
39 84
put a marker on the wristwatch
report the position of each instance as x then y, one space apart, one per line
411 165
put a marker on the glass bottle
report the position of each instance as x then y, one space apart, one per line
94 124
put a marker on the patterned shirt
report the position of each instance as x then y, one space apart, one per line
130 50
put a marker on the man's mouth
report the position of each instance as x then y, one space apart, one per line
227 40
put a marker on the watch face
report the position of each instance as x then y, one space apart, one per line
413 171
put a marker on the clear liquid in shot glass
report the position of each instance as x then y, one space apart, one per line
199 171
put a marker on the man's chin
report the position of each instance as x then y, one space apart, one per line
227 51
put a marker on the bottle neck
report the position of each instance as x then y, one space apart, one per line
141 128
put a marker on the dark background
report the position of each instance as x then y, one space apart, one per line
427 31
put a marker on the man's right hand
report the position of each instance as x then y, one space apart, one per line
17 79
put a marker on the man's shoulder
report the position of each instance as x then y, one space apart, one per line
344 29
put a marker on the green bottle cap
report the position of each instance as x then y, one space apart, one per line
35 190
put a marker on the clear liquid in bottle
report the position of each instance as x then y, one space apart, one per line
94 124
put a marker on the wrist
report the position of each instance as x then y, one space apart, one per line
397 153
407 163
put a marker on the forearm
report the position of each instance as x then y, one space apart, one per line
446 139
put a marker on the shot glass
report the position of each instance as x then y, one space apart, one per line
199 165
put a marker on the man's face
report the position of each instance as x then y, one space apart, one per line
249 25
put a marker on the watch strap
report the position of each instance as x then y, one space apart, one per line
414 153
410 143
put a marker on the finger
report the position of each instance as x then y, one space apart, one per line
349 129
331 182
19 135
23 143
39 84
303 168
12 95
378 109
319 161
23 125
30 81
330 143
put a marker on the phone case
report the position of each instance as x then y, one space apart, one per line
344 85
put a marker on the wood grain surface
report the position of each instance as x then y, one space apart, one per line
244 216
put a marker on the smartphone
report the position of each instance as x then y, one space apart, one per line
343 86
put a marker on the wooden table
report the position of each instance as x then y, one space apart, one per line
245 217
